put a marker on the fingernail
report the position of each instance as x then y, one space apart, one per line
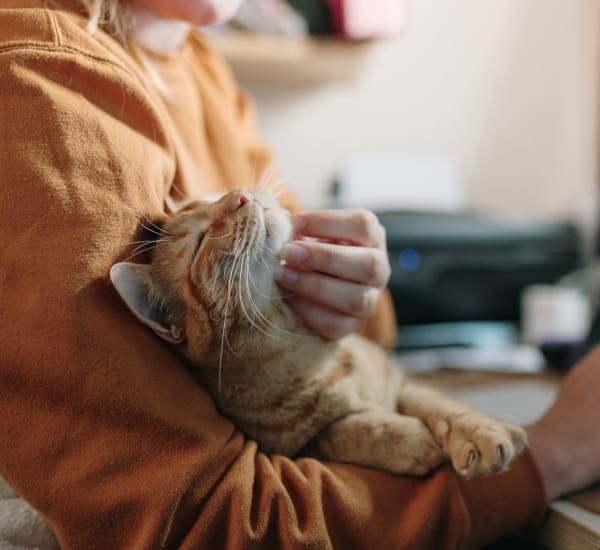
287 277
298 223
294 254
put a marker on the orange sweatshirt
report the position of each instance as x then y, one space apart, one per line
102 427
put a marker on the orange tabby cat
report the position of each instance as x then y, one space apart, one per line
210 291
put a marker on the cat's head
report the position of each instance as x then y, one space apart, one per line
211 273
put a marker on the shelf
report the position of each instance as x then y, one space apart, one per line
290 60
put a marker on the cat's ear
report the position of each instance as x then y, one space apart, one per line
134 284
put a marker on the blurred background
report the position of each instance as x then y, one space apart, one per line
471 127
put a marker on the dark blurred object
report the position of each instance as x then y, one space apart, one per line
317 15
556 318
271 17
559 355
353 19
461 267
591 341
367 19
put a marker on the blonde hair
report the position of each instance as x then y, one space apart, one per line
111 15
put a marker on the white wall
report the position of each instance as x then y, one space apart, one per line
507 88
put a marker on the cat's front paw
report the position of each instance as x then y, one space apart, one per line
478 445
419 451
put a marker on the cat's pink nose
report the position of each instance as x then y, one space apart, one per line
240 197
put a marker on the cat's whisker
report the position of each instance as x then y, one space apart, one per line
152 241
266 177
269 173
242 280
144 246
141 244
225 254
242 254
257 291
271 186
158 231
154 224
277 188
237 251
250 284
253 182
271 251
150 229
224 331
259 315
261 259
277 332
277 194
253 307
217 272
243 266
219 237
137 252
261 181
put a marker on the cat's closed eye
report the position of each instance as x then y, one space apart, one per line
198 244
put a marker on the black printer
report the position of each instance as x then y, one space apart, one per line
465 267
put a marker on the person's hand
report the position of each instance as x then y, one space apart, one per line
336 268
565 442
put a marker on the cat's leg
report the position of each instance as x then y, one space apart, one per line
380 439
475 443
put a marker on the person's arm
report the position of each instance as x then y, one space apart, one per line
103 428
564 441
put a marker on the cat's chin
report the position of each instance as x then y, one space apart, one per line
276 221
277 232
276 241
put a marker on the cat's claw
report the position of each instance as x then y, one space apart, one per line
479 445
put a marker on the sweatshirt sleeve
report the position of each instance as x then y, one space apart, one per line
103 429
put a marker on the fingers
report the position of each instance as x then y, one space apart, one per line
327 323
342 296
354 225
368 266
336 280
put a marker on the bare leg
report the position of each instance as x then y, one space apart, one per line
381 439
475 443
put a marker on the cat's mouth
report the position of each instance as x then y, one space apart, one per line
251 225
268 227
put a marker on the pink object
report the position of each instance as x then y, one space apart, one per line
362 19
